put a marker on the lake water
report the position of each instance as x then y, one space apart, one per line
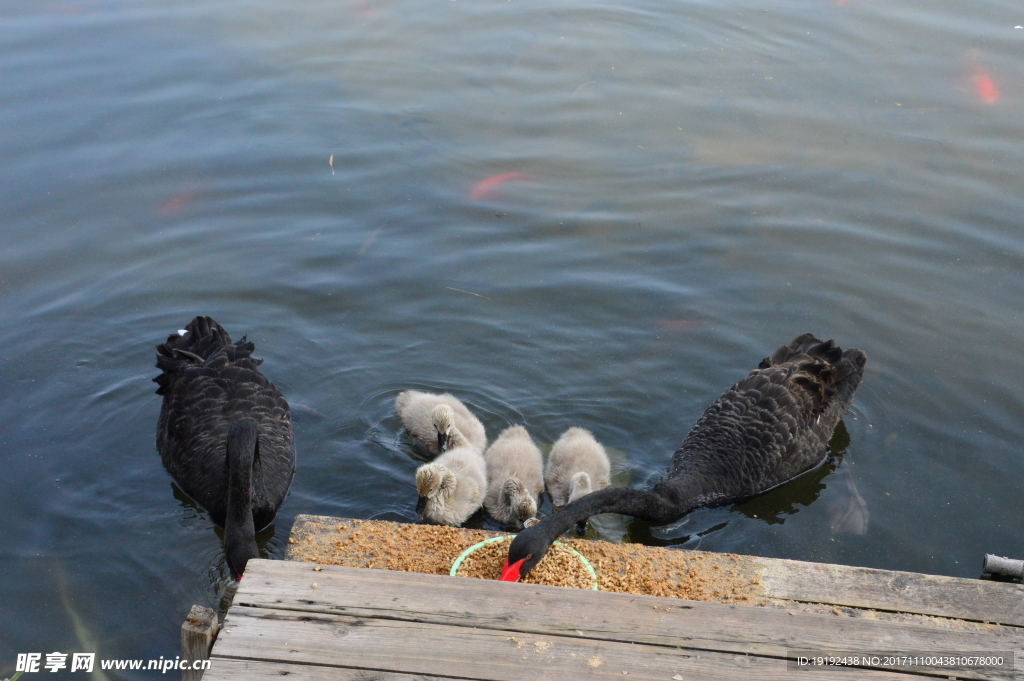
687 186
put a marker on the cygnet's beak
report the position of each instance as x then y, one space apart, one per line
442 442
421 503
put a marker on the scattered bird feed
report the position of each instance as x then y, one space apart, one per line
432 549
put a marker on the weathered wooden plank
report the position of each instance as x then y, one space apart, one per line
251 670
969 599
464 652
522 608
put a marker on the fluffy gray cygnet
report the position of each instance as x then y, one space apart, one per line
454 483
577 466
416 410
515 475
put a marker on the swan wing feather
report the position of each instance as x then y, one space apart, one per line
771 426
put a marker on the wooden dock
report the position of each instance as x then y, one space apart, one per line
354 623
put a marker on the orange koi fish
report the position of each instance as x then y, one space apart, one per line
177 202
983 85
484 188
365 11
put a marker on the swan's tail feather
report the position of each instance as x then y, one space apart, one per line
203 338
822 369
849 371
808 345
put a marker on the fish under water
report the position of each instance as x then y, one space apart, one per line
177 202
847 510
485 188
982 84
304 413
87 643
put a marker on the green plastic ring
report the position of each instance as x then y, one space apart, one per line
583 559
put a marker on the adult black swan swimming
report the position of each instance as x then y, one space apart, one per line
224 434
770 427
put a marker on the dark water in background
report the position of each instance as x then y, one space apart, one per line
699 182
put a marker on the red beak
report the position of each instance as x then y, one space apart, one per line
510 573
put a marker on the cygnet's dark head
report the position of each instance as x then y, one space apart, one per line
517 504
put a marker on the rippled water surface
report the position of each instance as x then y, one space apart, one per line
686 186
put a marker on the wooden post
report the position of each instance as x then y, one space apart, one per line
197 635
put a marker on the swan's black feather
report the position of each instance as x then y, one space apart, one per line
771 426
208 383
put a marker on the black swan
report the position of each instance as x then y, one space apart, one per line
770 427
224 434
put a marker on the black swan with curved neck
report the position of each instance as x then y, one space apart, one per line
770 427
224 434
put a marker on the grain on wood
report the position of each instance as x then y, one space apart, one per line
692 575
431 549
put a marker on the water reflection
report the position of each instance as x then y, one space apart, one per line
774 506
846 509
191 511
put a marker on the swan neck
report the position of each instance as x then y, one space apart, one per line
239 529
645 505
657 506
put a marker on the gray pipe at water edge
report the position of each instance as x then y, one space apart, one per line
1006 567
